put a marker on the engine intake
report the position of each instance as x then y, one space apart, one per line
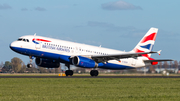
84 62
47 63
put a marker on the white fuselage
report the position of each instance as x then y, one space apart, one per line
50 48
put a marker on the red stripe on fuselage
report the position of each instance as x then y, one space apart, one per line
41 40
150 37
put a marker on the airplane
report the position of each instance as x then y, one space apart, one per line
49 53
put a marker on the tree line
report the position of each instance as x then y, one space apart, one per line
16 65
166 65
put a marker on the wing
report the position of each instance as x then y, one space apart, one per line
105 58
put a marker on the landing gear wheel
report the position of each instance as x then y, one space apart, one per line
94 73
29 65
69 72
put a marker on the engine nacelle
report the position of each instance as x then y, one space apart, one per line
47 63
84 62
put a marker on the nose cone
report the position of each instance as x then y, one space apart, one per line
16 47
13 45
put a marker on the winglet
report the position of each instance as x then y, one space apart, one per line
159 52
35 34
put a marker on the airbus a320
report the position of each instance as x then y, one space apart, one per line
49 53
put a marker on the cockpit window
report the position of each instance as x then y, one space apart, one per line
20 39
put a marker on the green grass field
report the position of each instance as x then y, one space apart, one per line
92 89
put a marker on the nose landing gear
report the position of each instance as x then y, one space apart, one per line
29 65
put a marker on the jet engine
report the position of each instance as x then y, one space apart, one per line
84 62
47 63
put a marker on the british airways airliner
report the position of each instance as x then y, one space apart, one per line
49 53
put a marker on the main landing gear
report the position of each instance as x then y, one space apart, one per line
94 73
68 72
29 65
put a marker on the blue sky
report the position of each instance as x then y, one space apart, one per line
117 24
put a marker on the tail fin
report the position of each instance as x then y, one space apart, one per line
147 42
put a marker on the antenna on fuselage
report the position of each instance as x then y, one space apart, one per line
34 35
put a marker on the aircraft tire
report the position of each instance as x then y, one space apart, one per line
29 65
69 72
94 73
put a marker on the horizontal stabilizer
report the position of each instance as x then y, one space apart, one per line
158 60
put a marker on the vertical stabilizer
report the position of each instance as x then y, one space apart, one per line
147 42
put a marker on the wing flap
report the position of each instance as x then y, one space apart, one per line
105 58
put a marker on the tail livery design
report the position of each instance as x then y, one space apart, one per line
146 44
